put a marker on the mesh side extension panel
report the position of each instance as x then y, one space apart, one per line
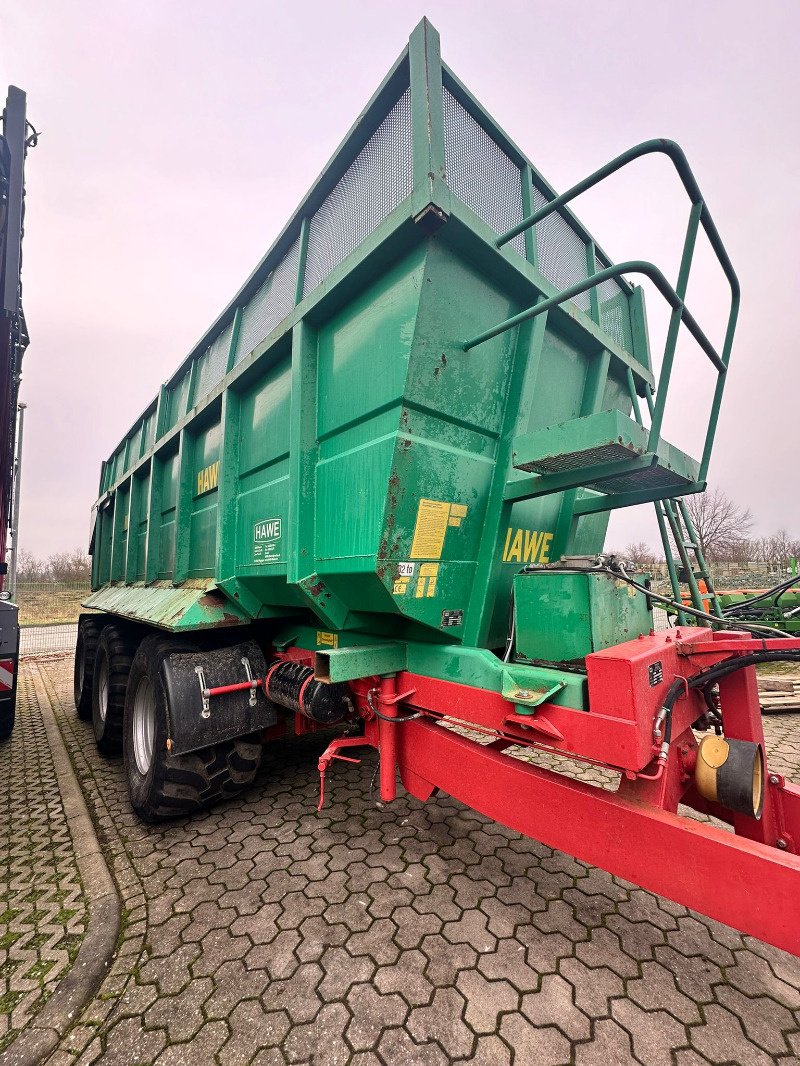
480 173
149 429
605 453
132 448
562 253
178 399
270 304
214 364
379 178
615 319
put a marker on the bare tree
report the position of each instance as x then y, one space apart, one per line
722 526
778 549
70 566
74 566
31 568
640 554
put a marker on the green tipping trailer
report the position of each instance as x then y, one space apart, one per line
334 447
376 494
435 378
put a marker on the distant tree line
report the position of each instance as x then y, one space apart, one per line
75 566
723 531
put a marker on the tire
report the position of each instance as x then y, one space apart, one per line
115 651
89 627
162 785
6 720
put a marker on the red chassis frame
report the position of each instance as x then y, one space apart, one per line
748 878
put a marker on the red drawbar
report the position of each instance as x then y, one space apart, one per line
747 876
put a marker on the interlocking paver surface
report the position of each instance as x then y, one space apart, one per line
261 932
42 908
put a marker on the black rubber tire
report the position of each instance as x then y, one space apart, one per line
176 785
7 716
89 627
115 651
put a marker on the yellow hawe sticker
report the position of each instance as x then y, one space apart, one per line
327 640
527 546
433 518
426 582
208 478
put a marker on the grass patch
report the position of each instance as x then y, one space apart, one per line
777 669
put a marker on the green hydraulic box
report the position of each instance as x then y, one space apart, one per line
562 615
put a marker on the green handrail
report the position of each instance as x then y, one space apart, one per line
633 266
700 215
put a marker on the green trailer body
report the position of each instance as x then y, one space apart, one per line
346 449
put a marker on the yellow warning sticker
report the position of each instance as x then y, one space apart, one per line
433 518
429 532
426 582
327 640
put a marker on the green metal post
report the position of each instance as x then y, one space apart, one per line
227 484
162 413
154 505
237 325
132 545
304 447
637 412
674 325
183 511
427 120
591 402
591 270
673 575
302 255
522 381
531 250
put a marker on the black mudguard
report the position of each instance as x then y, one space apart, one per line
192 726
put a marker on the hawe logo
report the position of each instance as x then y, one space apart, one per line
268 529
267 540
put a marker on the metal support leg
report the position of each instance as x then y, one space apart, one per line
387 734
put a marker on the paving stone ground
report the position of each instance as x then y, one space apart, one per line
263 933
42 906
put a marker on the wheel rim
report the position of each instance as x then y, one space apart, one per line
102 689
144 725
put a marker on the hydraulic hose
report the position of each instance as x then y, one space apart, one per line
777 591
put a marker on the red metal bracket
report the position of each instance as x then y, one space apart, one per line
739 644
535 723
331 753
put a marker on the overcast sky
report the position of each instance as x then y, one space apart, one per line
178 137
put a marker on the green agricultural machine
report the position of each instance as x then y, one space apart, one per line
777 607
375 496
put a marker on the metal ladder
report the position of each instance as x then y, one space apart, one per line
673 517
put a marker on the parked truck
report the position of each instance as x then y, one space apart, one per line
375 495
14 141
